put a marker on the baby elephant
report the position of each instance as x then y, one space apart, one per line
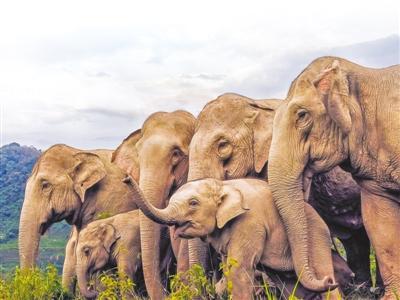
239 218
108 243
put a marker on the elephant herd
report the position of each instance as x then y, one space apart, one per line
267 183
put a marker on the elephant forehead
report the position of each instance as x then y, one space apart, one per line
198 188
226 111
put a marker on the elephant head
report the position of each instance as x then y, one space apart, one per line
55 191
311 130
232 138
198 208
157 158
94 252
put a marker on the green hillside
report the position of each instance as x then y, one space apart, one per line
16 163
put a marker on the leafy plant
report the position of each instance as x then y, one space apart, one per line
115 287
191 284
33 284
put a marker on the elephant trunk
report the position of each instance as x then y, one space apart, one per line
166 216
82 276
201 167
29 234
286 185
155 191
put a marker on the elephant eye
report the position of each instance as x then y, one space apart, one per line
301 114
194 202
224 149
303 118
45 185
176 156
86 251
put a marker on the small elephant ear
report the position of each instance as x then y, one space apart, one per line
126 156
333 85
231 205
260 118
108 235
87 171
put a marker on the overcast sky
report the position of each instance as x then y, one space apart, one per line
87 73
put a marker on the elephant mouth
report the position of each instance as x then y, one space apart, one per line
180 230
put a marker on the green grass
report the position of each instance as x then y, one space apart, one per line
45 243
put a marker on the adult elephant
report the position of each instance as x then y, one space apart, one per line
73 185
232 140
340 113
156 156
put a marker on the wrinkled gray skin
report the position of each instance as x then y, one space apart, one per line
73 185
156 156
341 113
232 140
224 212
108 243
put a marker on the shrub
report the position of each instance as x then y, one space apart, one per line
191 284
33 284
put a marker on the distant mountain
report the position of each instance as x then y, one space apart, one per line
16 163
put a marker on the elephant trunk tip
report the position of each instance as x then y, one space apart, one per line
324 285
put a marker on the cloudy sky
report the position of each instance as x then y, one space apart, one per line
87 73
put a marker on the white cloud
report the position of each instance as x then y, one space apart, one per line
74 71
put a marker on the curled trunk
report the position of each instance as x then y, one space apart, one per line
166 216
154 193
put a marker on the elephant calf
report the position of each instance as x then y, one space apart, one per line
108 243
240 220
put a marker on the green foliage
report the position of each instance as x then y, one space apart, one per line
114 287
191 284
227 271
33 284
103 215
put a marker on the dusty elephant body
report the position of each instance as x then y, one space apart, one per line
108 243
232 140
240 220
156 156
340 113
73 185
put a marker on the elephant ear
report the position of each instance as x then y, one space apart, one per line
231 204
88 171
126 156
260 118
333 85
108 235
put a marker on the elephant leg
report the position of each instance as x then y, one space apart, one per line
357 253
241 274
320 245
127 262
198 253
381 218
69 267
181 251
183 256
